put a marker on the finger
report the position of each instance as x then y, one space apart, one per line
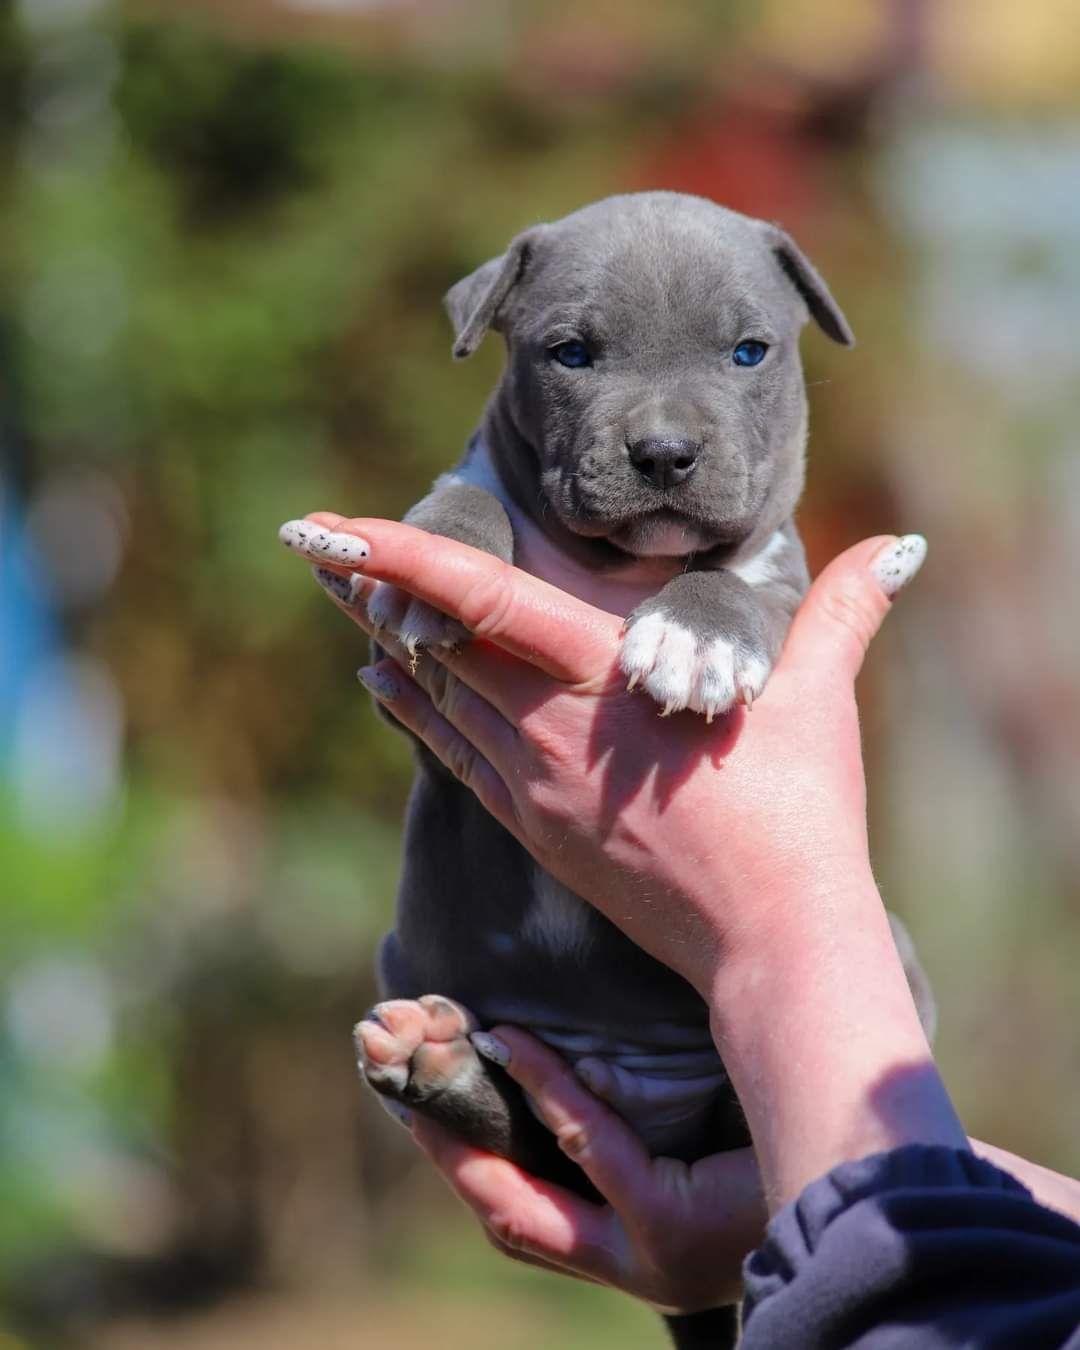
846 605
605 1148
525 616
484 727
540 1262
351 591
525 1216
727 1187
508 684
322 543
412 707
488 728
331 520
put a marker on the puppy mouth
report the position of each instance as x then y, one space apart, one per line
663 534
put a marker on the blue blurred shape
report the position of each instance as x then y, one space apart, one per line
29 632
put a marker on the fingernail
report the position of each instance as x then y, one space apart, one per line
898 562
345 589
401 1114
484 1043
315 541
378 682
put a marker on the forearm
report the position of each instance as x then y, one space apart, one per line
822 1040
1049 1188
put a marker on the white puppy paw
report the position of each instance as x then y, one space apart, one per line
416 625
681 670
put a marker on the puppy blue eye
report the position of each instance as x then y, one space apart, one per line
572 354
749 353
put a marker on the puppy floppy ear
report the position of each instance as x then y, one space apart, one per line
806 279
474 302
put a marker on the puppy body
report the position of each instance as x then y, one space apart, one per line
660 289
532 953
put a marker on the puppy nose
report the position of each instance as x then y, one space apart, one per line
664 462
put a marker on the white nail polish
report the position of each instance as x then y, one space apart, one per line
297 534
484 1043
315 541
400 1113
344 589
378 683
339 548
897 563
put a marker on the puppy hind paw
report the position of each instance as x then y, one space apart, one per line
413 1049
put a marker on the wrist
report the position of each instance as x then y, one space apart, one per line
814 1020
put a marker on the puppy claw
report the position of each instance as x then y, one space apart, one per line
679 669
632 683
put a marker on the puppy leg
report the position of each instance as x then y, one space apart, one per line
704 642
455 510
417 1052
709 638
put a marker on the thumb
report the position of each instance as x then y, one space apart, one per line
846 605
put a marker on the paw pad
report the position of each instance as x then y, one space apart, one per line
410 1049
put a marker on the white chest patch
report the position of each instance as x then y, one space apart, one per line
557 919
761 568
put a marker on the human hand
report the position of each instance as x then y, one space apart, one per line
622 806
670 1233
736 854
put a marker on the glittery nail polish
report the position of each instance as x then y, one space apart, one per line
316 541
378 682
484 1043
898 562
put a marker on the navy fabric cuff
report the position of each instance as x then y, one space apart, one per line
921 1246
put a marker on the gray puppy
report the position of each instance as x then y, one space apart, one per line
644 450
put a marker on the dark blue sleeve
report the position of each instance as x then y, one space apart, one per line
921 1248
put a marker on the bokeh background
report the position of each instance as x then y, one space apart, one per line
225 230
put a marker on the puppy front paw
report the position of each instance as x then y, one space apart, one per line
416 625
680 668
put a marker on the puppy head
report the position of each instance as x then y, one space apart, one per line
653 367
